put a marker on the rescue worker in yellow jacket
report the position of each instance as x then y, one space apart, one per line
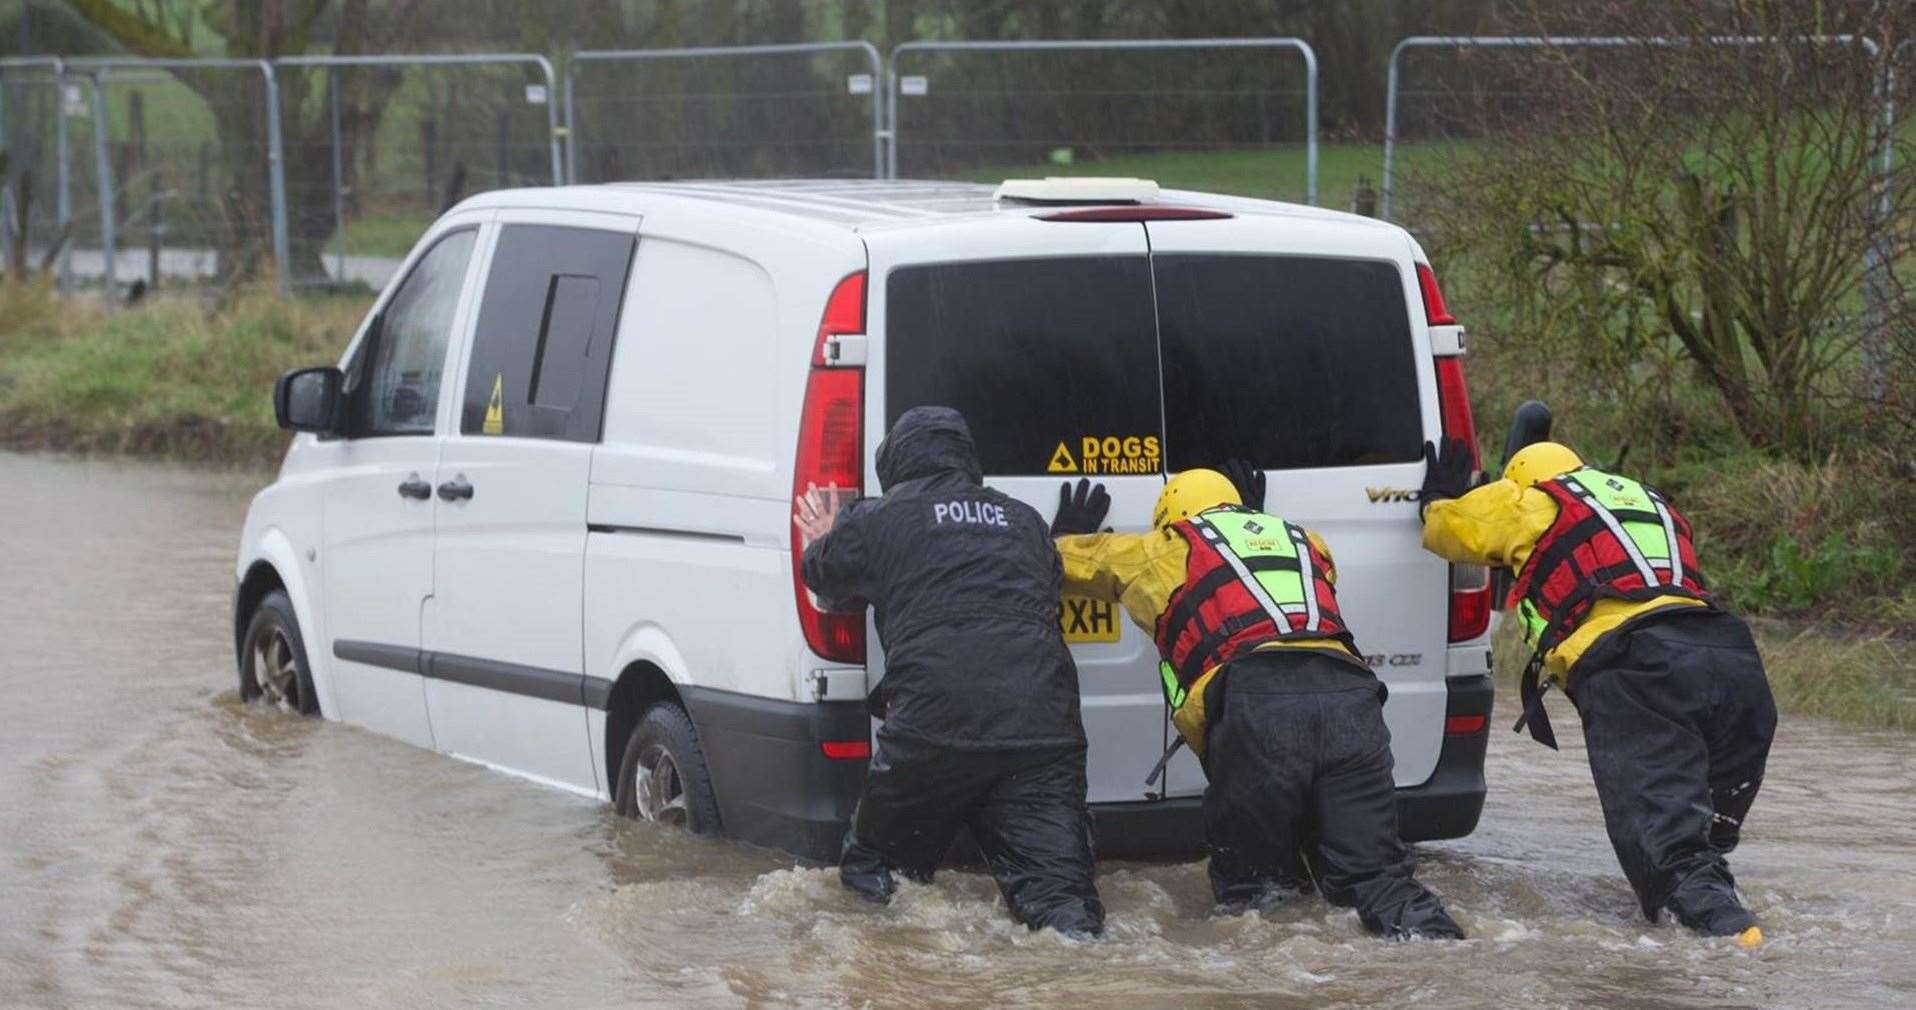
1677 713
1267 687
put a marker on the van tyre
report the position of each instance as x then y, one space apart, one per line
272 664
663 778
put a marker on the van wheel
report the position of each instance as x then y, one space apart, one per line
662 778
273 665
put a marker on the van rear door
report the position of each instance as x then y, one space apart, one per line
1052 358
1293 344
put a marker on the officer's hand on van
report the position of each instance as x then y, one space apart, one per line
816 511
1080 509
1249 481
1446 472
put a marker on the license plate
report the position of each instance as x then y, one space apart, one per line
1086 620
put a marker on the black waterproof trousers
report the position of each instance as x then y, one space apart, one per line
1300 788
1025 808
1677 717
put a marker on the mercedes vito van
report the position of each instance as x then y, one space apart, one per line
539 516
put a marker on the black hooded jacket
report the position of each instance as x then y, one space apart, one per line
965 582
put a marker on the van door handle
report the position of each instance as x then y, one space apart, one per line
455 489
415 488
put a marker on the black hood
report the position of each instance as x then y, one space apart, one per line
926 442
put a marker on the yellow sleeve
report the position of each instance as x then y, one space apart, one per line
1100 565
1495 524
1330 563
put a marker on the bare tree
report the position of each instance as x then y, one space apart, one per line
1723 204
265 29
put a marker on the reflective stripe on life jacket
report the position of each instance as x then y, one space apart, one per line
1245 584
1613 538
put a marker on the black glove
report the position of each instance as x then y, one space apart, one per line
1446 473
1248 480
1080 511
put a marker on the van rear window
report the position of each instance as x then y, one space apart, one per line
1045 357
1061 366
1288 361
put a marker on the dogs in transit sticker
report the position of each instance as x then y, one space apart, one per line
1109 455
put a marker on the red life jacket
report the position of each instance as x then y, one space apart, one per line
1235 599
1587 554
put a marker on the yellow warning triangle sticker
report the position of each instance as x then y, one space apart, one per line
496 408
1061 461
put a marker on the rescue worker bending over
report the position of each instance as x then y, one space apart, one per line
1677 713
980 695
1268 689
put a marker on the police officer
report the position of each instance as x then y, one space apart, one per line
1677 713
1267 687
980 696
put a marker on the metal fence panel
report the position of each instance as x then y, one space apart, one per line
1467 43
186 175
379 146
1167 108
803 110
36 187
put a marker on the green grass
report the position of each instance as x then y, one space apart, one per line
383 233
1862 679
170 378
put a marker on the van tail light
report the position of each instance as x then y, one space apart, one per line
1469 584
1436 313
831 440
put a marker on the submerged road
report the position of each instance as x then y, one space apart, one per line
163 845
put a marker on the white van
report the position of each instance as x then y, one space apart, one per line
540 516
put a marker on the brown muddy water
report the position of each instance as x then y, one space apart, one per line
163 845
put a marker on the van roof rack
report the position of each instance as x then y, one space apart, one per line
1077 189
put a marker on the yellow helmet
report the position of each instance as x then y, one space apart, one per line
1541 461
1192 492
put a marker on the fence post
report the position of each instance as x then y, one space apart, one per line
9 203
1390 129
63 193
339 176
891 111
571 120
276 177
553 130
1310 121
103 164
878 110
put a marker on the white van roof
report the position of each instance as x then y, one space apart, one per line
865 204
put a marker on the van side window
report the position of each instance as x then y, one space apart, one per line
543 343
1287 361
393 382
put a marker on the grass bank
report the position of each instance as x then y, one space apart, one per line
1859 677
176 378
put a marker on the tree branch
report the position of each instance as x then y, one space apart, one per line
136 34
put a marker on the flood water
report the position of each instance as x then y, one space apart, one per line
163 845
